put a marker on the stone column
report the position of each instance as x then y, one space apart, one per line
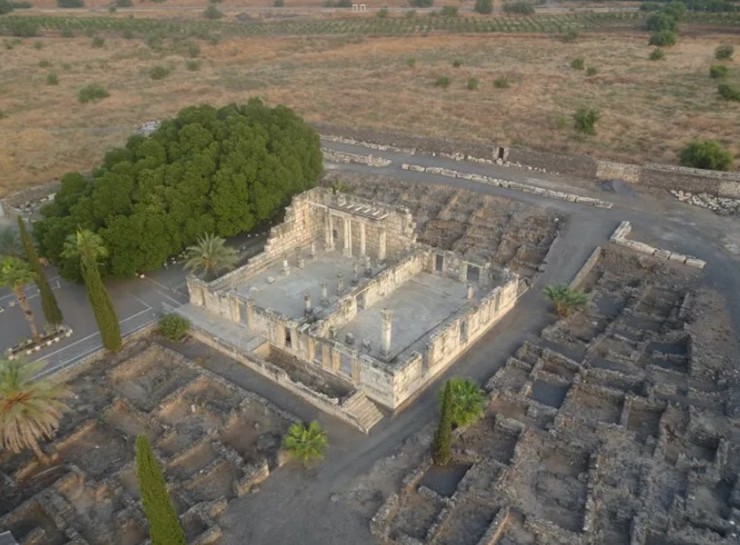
312 251
324 294
470 292
387 327
362 239
286 267
463 271
307 307
250 313
329 232
340 284
355 274
381 246
347 237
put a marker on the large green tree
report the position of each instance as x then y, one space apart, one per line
164 525
468 401
442 446
49 304
17 274
88 248
306 443
10 244
208 170
30 408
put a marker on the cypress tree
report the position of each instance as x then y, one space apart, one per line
164 525
49 305
105 314
442 448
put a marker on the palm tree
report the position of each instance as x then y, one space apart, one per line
10 244
468 401
306 443
17 274
88 248
29 409
566 300
210 255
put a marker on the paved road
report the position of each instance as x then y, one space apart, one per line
295 506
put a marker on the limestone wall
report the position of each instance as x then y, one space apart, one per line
390 279
723 184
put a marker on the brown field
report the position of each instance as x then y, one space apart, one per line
649 110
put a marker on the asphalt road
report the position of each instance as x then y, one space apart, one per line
295 506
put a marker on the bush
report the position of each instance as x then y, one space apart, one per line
410 13
52 79
124 4
585 120
565 299
193 50
449 11
570 36
706 154
159 72
718 71
71 3
724 52
411 62
6 7
578 64
382 13
457 63
501 83
192 65
421 3
522 8
483 6
21 28
279 3
657 54
592 71
661 21
98 42
442 446
3 114
68 33
443 82
212 12
729 92
38 45
468 401
664 38
306 443
173 327
92 93
472 84
128 34
44 63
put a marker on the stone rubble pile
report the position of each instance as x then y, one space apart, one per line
341 157
721 205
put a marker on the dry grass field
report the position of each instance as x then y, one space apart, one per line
649 109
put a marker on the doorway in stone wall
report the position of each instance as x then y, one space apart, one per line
473 274
439 263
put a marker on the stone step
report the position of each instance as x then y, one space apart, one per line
363 410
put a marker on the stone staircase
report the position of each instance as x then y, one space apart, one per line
364 411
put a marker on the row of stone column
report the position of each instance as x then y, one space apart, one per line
347 236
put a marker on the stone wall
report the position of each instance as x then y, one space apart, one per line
570 165
723 184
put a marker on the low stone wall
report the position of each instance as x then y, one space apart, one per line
570 165
342 157
619 237
586 269
723 184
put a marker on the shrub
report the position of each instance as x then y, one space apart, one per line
98 42
128 34
706 154
159 72
661 21
592 71
92 93
724 52
410 13
449 11
38 45
3 114
306 443
173 327
468 401
501 83
382 13
52 79
566 300
44 63
578 64
154 42
71 3
192 65
657 54
585 120
212 12
421 3
68 33
21 28
443 82
472 84
457 63
523 8
193 50
124 4
442 446
718 71
729 92
411 62
570 36
663 38
6 7
278 3
66 66
483 6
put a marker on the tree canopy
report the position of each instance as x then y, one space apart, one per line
208 170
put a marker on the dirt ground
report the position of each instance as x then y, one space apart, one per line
615 426
216 442
649 110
